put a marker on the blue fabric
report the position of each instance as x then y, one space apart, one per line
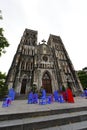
85 92
61 99
49 99
56 96
6 102
35 98
11 93
43 99
30 98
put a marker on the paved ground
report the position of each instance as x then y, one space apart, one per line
19 106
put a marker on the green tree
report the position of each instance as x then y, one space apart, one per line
3 44
83 78
3 41
3 87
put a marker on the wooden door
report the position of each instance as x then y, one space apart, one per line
46 83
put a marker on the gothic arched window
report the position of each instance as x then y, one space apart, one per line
23 65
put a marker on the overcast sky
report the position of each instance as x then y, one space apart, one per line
65 18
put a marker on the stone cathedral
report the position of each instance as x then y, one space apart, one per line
44 64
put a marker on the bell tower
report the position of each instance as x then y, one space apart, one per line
20 75
63 67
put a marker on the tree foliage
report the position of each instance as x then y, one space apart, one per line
3 42
83 78
3 87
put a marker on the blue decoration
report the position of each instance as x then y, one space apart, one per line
35 98
6 102
30 98
11 93
43 99
58 98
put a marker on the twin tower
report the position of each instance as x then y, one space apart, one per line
44 65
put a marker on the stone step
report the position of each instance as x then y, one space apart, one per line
40 122
22 115
72 126
21 96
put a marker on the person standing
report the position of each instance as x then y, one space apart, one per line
70 98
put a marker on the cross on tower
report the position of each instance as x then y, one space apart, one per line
43 41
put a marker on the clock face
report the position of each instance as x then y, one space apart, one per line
45 58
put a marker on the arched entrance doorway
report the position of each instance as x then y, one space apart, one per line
23 86
46 82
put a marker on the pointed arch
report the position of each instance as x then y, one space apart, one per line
23 85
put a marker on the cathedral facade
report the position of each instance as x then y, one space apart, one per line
44 65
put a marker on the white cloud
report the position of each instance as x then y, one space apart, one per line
67 18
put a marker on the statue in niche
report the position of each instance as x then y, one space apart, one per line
30 41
